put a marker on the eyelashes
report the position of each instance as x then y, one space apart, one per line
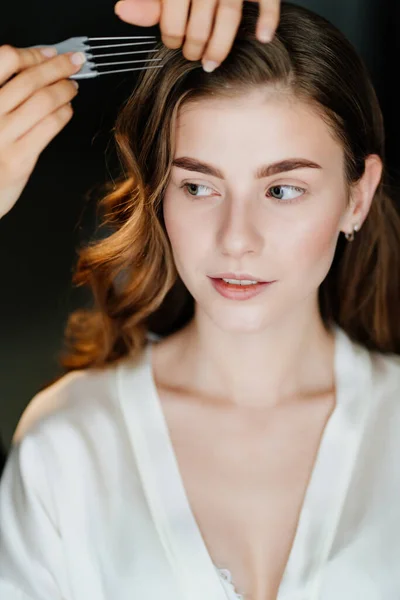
292 188
274 192
186 187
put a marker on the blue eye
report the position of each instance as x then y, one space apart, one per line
277 193
192 188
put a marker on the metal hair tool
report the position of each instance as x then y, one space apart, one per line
99 63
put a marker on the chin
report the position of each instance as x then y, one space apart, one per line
252 320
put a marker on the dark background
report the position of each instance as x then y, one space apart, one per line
56 212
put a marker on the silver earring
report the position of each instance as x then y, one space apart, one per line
350 236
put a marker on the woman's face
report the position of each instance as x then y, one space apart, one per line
257 187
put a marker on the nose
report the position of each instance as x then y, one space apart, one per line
239 229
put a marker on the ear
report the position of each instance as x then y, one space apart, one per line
362 193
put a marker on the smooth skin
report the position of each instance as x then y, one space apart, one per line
35 105
205 29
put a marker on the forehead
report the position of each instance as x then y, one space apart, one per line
261 125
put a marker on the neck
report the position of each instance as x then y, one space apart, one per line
287 360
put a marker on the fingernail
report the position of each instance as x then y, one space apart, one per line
78 58
118 6
49 52
76 84
209 66
265 34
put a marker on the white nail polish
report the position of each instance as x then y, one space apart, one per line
209 66
265 35
49 52
78 58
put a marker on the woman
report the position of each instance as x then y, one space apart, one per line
217 439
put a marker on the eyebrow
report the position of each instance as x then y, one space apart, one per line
283 166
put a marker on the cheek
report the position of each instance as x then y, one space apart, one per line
311 248
186 237
170 218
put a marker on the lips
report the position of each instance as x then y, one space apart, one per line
239 276
239 279
237 291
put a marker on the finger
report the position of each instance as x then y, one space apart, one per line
227 21
19 89
268 19
13 60
144 13
37 107
199 28
28 147
174 16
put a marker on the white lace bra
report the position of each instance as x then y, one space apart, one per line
226 577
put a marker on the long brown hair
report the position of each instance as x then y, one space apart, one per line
131 272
